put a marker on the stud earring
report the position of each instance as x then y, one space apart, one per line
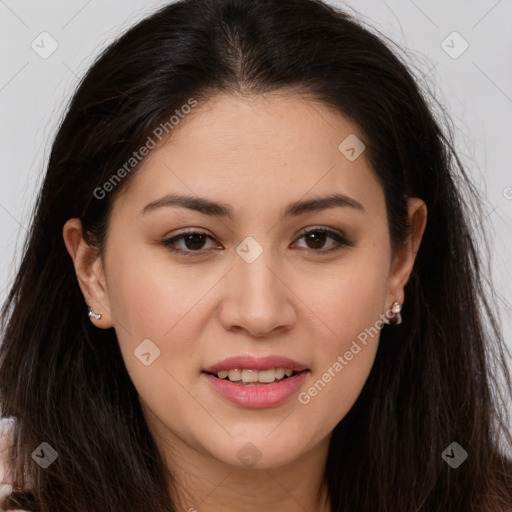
94 315
395 309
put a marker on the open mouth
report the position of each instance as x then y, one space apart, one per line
253 389
248 377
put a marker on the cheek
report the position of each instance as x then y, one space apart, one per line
150 295
157 308
350 304
348 298
343 366
153 298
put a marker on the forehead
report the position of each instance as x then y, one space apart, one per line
268 148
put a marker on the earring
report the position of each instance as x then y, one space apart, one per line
94 315
395 309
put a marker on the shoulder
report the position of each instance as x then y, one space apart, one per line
6 426
6 430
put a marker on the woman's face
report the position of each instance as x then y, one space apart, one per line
250 284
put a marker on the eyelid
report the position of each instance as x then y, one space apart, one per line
188 231
338 236
322 229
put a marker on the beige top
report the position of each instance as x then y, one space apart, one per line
6 425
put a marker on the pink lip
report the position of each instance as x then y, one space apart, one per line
257 396
248 362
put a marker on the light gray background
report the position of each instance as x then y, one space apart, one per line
476 88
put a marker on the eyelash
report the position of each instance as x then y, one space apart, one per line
340 239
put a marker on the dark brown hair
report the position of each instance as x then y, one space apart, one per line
436 378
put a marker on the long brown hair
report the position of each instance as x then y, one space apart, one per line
437 378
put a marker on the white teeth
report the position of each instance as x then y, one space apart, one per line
279 373
248 376
266 376
234 375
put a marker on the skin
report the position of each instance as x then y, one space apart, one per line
258 155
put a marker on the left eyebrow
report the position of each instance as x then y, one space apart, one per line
321 203
211 208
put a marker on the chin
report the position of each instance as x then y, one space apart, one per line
256 452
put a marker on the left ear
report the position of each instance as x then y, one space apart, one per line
403 260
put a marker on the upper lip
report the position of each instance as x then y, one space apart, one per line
249 362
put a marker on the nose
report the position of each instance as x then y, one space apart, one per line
257 299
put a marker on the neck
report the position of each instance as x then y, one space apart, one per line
208 485
203 482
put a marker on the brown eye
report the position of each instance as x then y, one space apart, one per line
193 242
317 237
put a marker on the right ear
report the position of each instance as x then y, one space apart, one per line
89 271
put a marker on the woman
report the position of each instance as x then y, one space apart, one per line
251 283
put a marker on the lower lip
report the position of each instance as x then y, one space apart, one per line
257 396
